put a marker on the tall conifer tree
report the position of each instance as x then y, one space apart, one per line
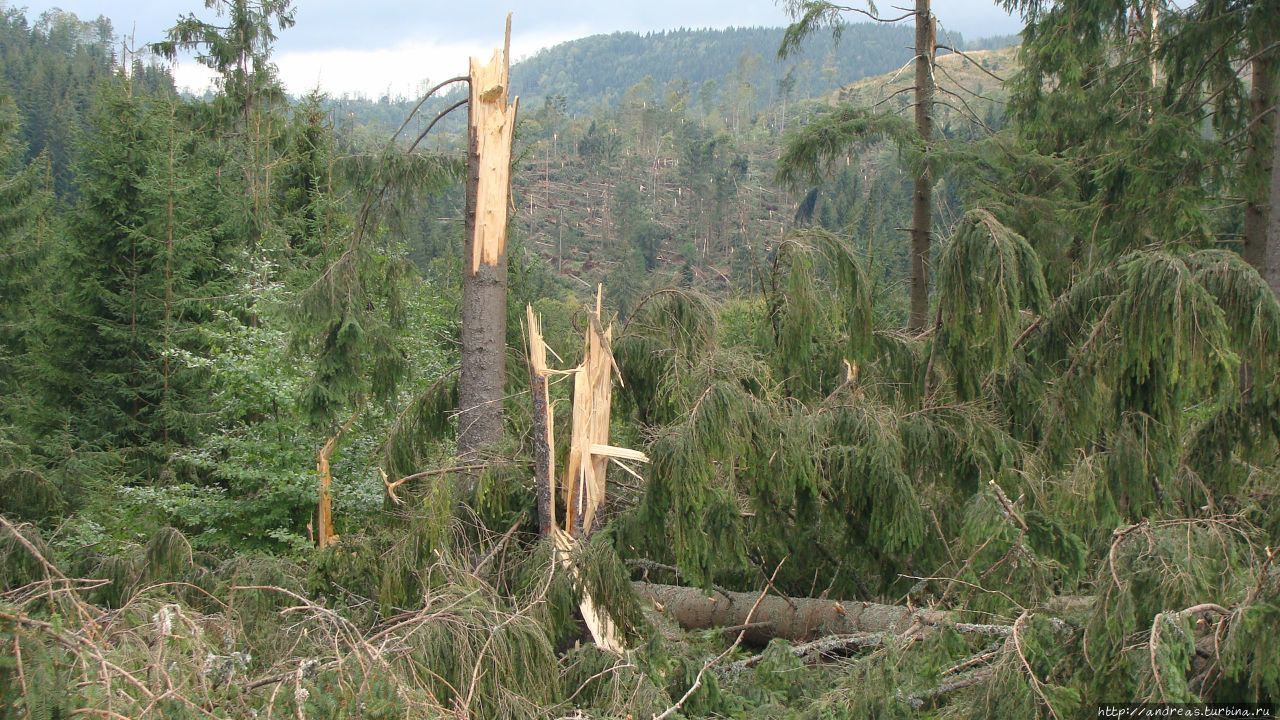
138 270
810 15
25 216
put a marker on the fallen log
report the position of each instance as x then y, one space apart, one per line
817 651
794 619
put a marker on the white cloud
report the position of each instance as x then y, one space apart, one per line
405 69
191 76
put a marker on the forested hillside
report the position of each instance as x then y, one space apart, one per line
722 72
49 69
936 382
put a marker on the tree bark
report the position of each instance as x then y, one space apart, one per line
796 619
804 619
922 197
543 427
1259 164
1272 256
491 123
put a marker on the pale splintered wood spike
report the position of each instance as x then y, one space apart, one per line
589 450
325 534
493 124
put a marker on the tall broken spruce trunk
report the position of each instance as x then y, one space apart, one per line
1272 263
491 124
922 195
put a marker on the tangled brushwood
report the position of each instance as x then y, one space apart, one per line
160 638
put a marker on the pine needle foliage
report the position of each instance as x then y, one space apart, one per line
350 317
25 220
760 460
424 422
987 277
141 273
1139 343
833 136
257 643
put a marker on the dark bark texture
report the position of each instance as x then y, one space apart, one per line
922 196
1259 170
1272 258
542 469
484 286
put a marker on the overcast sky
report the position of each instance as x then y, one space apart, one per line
371 47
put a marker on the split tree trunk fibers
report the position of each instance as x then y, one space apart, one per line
325 534
589 453
589 450
795 619
491 124
324 513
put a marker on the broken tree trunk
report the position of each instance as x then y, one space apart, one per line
1259 159
801 619
544 464
491 124
589 453
325 534
1271 255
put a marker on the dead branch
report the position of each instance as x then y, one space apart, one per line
393 486
930 698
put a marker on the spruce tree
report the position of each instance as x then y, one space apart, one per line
1222 62
139 268
99 379
25 219
248 106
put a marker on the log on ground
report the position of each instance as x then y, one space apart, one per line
794 619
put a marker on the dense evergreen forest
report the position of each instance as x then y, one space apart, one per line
943 375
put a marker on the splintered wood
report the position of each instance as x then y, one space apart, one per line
544 460
325 534
493 125
589 451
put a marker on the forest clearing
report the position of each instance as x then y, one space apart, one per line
841 370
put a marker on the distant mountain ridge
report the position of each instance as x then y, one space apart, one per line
714 70
598 69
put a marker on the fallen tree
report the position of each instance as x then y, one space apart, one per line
801 619
796 619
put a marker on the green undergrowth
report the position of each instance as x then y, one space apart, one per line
482 624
